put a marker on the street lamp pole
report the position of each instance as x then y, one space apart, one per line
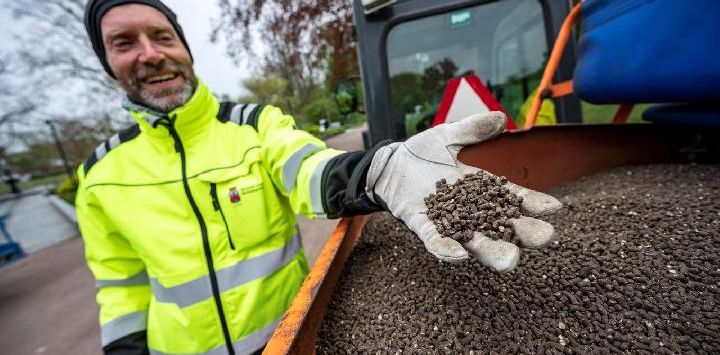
61 151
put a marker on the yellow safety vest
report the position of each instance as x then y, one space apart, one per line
189 228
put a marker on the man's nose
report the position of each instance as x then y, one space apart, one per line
149 52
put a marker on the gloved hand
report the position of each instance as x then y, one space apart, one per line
402 174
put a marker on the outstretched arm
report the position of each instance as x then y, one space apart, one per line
320 182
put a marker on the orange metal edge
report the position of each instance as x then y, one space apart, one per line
298 329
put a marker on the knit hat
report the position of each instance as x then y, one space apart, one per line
96 9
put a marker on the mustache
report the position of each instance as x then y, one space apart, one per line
145 70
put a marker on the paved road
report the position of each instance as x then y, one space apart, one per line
35 222
47 304
47 299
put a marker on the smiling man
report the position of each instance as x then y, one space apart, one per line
188 216
144 53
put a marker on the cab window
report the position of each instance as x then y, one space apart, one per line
502 42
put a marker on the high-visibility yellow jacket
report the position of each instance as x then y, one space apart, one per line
188 222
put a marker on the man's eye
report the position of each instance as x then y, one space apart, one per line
121 44
165 37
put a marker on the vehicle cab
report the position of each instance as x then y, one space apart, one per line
410 49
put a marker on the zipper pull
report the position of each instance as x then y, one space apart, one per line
169 123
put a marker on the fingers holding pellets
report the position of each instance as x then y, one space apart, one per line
535 203
531 232
498 255
489 215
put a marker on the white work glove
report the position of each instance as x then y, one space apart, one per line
403 174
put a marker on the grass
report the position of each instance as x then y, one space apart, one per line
54 180
352 120
603 114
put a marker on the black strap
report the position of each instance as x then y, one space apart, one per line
90 161
225 110
253 117
124 136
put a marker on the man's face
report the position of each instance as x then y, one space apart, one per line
147 57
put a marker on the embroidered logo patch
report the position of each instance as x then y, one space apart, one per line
234 195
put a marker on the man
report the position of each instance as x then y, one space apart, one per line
188 216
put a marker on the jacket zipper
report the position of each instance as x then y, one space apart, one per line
217 207
169 124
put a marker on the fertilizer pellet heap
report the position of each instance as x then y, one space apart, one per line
635 268
477 202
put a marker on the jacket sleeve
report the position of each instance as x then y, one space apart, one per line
123 290
319 181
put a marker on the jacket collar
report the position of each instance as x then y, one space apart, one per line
189 120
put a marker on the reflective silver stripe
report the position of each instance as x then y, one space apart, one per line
247 345
114 141
100 151
292 165
184 294
235 113
141 278
103 149
247 111
316 189
228 278
122 326
220 350
256 340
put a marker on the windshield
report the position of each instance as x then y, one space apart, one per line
502 42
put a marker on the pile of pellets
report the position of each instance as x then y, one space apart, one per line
635 268
477 202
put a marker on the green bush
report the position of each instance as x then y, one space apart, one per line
315 131
312 129
355 118
603 114
321 104
332 132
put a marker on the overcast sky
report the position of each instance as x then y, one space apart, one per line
212 63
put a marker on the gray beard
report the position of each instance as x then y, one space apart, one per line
164 104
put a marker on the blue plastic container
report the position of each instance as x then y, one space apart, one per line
634 51
707 115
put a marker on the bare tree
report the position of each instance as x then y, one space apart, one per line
54 66
12 107
302 37
50 72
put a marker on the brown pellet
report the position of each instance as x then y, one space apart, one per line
476 202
